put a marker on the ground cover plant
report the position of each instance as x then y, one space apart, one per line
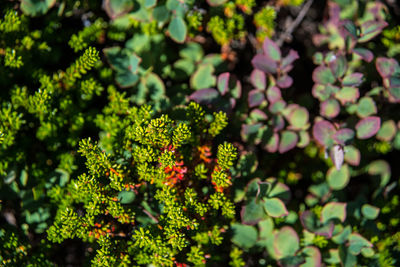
199 133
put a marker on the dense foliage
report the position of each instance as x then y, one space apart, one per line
199 133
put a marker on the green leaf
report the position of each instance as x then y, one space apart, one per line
271 50
116 8
286 242
298 118
387 131
177 29
244 236
352 155
275 207
370 212
323 75
126 197
347 95
338 179
333 210
36 7
368 127
357 242
288 141
203 77
366 107
253 212
323 132
330 108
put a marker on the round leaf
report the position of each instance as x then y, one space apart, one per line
286 242
275 207
338 179
244 236
322 132
370 212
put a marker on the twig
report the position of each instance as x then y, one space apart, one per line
295 23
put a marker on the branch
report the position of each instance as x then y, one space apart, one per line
295 23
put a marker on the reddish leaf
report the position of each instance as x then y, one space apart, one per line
255 98
204 96
288 60
223 83
284 81
264 63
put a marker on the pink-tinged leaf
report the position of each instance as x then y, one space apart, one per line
357 242
264 64
386 66
258 115
278 189
286 242
285 81
278 123
343 136
337 156
288 141
271 50
353 79
115 9
323 75
304 139
368 127
330 108
255 98
338 65
205 96
298 118
258 79
387 131
381 168
365 54
312 256
366 107
277 106
322 132
333 210
252 212
273 143
324 92
235 88
370 29
288 60
313 225
352 155
223 83
274 94
347 95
